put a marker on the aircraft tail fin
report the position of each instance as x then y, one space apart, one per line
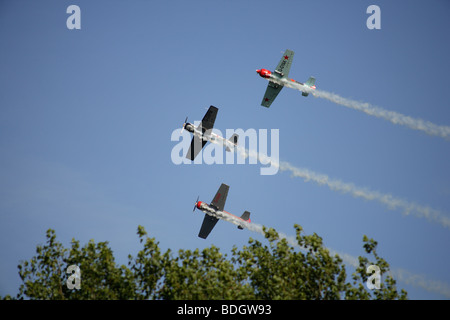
234 140
246 217
311 84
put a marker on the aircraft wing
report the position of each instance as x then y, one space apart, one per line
197 144
208 224
285 63
221 196
209 118
273 89
207 123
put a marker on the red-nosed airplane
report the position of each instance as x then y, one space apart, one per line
203 133
278 79
214 212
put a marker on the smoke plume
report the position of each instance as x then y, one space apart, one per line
392 202
391 116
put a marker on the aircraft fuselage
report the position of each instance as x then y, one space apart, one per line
276 77
224 215
208 135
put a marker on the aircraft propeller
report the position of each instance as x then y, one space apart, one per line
184 124
195 205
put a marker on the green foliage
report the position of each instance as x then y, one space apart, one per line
148 267
387 288
274 271
203 275
42 275
281 272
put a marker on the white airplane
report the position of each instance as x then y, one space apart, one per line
203 133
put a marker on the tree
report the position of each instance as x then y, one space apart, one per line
203 275
278 270
387 289
44 276
281 272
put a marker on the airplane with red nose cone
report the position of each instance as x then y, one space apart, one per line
214 212
279 78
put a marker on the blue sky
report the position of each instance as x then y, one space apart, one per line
86 118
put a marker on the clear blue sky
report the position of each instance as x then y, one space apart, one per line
86 118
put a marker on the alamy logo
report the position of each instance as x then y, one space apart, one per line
74 281
374 21
374 281
211 148
74 20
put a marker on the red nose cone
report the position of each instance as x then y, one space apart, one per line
264 73
199 203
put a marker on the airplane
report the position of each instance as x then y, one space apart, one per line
278 79
203 133
214 212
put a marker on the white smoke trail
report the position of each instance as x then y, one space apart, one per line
392 116
389 200
392 202
421 281
337 185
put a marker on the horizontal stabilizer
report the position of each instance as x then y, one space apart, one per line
310 83
246 217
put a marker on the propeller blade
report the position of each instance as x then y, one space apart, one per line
195 205
184 124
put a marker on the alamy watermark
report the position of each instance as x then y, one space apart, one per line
74 20
374 281
253 147
74 280
374 20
